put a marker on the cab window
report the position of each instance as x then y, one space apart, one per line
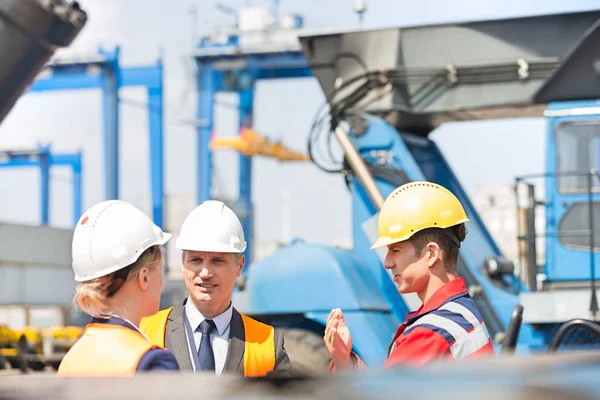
578 151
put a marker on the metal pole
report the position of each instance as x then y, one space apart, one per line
246 100
77 188
594 300
156 125
359 167
44 157
206 92
110 97
531 237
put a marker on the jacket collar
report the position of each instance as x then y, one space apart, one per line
114 320
450 291
195 317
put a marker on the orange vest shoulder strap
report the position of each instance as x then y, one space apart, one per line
105 350
154 326
259 353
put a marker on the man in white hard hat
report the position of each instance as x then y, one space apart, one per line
205 332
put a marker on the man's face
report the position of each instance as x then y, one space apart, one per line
210 278
411 273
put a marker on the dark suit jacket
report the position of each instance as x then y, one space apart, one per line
176 342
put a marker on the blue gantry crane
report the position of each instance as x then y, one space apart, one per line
103 71
45 159
226 67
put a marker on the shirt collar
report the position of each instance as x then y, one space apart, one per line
451 290
114 320
195 317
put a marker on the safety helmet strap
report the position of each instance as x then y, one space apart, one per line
446 232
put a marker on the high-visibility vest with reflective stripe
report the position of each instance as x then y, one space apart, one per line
105 350
454 330
259 345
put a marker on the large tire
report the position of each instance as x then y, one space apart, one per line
306 350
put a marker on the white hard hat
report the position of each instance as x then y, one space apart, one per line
212 227
112 235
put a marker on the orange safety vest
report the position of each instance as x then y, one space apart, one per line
105 350
259 351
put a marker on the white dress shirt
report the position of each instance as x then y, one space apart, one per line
219 340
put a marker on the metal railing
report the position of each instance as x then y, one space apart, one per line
530 235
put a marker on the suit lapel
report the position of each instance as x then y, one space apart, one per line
235 350
175 339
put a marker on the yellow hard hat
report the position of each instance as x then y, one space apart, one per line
414 207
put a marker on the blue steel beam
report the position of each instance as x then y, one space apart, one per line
76 80
212 65
44 160
256 61
105 73
153 82
75 162
206 86
246 103
78 73
110 108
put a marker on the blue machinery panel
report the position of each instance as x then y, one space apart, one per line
569 262
105 73
44 159
227 69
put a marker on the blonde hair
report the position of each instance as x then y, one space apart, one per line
93 297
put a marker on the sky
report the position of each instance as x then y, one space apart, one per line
147 29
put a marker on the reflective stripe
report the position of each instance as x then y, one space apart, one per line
456 317
468 303
470 343
444 323
464 343
462 310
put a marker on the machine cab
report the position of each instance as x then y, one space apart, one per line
573 162
563 260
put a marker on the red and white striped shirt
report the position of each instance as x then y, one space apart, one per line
448 326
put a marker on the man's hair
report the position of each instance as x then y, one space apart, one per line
443 238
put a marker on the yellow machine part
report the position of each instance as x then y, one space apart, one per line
251 143
7 348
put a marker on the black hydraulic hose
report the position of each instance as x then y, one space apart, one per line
512 332
567 327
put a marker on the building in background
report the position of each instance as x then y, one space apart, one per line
497 206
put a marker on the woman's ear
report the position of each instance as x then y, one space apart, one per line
143 278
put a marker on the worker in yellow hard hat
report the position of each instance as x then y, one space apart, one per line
118 263
422 224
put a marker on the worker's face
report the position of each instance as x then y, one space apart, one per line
411 273
210 278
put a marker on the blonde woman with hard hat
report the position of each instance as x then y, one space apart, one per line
118 264
206 332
